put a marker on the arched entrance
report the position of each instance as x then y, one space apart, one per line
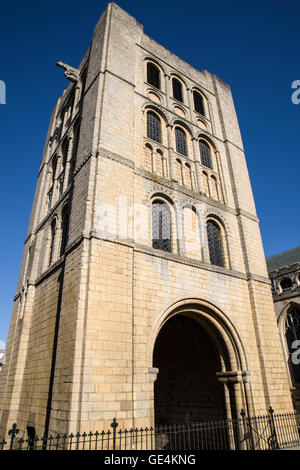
201 364
187 387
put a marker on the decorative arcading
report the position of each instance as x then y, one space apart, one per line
168 185
150 251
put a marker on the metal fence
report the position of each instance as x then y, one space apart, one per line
268 432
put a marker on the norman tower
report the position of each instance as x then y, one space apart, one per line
143 290
284 273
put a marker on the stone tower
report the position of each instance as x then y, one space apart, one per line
143 290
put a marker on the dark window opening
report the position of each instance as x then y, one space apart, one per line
153 127
64 229
53 228
177 90
153 75
64 150
215 243
286 283
180 138
54 166
205 154
198 103
74 149
161 226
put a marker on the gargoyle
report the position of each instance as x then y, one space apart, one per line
71 73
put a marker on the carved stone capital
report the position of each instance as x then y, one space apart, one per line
239 376
153 371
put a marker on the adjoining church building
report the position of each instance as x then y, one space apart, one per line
143 291
284 272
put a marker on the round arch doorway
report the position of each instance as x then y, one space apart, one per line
188 356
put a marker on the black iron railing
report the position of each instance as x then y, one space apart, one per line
268 432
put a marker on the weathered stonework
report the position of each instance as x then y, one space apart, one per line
87 317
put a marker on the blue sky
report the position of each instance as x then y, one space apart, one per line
253 46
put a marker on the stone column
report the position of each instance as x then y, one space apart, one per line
153 152
171 153
183 174
209 184
236 379
165 167
57 241
152 374
45 202
197 163
246 377
190 103
221 178
167 88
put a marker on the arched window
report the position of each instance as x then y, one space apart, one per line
215 248
177 90
153 75
54 166
64 229
161 226
64 151
205 154
180 138
76 133
153 126
292 336
198 103
70 103
53 229
62 118
286 283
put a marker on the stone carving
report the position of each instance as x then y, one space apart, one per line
71 73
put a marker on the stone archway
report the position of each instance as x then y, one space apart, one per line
200 364
187 387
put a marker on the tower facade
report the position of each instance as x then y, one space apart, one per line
143 290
